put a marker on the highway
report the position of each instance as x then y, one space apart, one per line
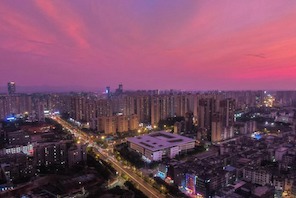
146 188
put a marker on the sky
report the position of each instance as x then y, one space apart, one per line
175 44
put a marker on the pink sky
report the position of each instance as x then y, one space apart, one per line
189 45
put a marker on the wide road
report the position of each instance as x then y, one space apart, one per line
146 188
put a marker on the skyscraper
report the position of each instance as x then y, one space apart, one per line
120 87
119 90
108 92
11 87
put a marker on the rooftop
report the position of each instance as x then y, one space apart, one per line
282 149
159 140
261 190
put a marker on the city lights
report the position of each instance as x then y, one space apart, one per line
148 99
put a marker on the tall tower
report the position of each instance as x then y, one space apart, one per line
108 92
120 88
119 91
11 87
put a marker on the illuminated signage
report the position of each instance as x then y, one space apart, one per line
10 118
190 184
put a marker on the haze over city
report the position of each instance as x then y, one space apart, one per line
188 45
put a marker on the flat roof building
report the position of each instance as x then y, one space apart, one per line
156 145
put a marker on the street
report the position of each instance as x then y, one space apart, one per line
146 188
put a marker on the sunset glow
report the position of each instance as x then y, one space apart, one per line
192 45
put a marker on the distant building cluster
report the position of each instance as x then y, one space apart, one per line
32 106
211 115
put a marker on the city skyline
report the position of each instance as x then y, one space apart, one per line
102 90
192 45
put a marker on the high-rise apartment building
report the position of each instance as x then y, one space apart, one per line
143 108
216 128
216 118
227 109
117 123
205 114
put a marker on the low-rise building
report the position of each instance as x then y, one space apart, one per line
157 145
257 175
